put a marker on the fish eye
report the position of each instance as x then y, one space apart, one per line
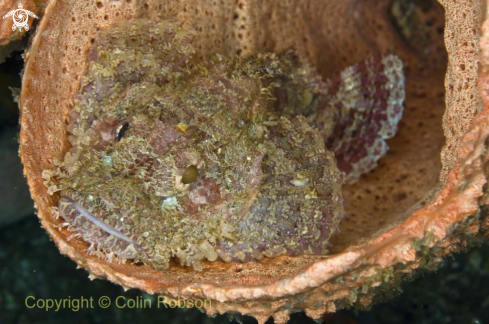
190 174
121 130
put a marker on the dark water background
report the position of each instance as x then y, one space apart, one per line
31 265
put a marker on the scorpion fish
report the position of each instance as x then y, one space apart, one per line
176 160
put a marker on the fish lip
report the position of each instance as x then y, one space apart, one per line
97 221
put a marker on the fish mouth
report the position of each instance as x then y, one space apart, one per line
100 234
96 221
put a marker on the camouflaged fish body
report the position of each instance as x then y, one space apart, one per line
233 159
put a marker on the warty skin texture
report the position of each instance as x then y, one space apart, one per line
266 184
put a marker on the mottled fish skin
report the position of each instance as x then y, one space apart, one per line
252 131
355 111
